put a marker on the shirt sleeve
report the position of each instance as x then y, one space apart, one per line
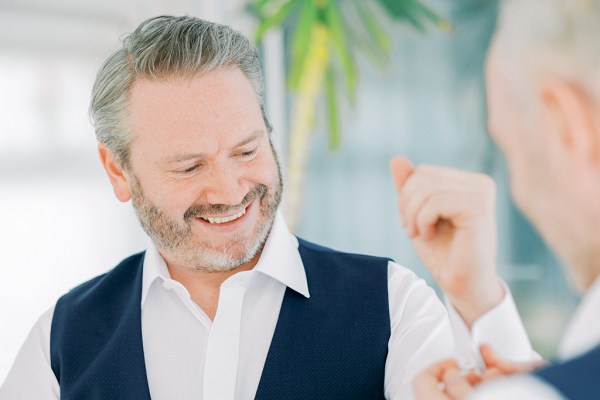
500 327
515 387
424 332
420 331
31 376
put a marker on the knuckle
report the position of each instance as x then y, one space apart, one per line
487 185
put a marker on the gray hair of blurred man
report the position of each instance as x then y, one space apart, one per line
558 37
160 48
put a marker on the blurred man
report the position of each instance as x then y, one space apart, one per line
226 303
543 83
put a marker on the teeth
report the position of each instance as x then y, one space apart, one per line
224 219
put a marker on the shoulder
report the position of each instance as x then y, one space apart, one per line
311 249
93 290
332 271
30 376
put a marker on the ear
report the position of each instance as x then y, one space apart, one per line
115 172
572 112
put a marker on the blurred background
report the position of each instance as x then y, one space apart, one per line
60 223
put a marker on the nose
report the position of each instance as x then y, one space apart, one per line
223 185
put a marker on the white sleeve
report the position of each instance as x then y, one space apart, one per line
515 387
501 327
420 331
31 376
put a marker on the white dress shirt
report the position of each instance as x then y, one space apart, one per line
188 356
582 334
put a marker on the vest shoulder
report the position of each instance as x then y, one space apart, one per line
317 249
120 275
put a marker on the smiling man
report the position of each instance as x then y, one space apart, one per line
226 303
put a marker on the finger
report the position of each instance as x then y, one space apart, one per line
412 210
426 384
414 194
428 182
494 360
436 215
490 357
491 373
457 385
473 378
401 169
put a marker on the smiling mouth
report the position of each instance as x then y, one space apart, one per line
222 220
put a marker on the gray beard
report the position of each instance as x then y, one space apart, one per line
177 243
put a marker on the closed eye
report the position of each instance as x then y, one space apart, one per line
190 169
248 153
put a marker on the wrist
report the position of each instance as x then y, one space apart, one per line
472 305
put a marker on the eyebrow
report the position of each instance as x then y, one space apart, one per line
189 156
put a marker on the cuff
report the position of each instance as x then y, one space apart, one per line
500 327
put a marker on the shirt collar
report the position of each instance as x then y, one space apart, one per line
583 331
279 260
154 268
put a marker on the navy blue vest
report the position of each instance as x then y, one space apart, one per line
576 379
330 346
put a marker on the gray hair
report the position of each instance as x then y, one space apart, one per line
560 37
159 48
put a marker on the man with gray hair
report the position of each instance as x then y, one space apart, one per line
543 82
226 303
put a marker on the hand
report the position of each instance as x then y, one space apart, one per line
497 366
443 381
450 217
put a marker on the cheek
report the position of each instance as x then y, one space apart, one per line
504 125
173 199
528 179
263 171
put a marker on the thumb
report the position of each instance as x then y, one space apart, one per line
401 169
493 360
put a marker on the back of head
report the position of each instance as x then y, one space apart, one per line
559 37
160 48
544 112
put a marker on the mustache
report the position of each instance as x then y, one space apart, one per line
198 210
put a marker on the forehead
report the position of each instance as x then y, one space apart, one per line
213 91
181 108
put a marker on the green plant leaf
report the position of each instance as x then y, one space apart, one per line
274 20
332 110
373 27
432 16
301 41
415 13
261 7
338 40
396 8
368 36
